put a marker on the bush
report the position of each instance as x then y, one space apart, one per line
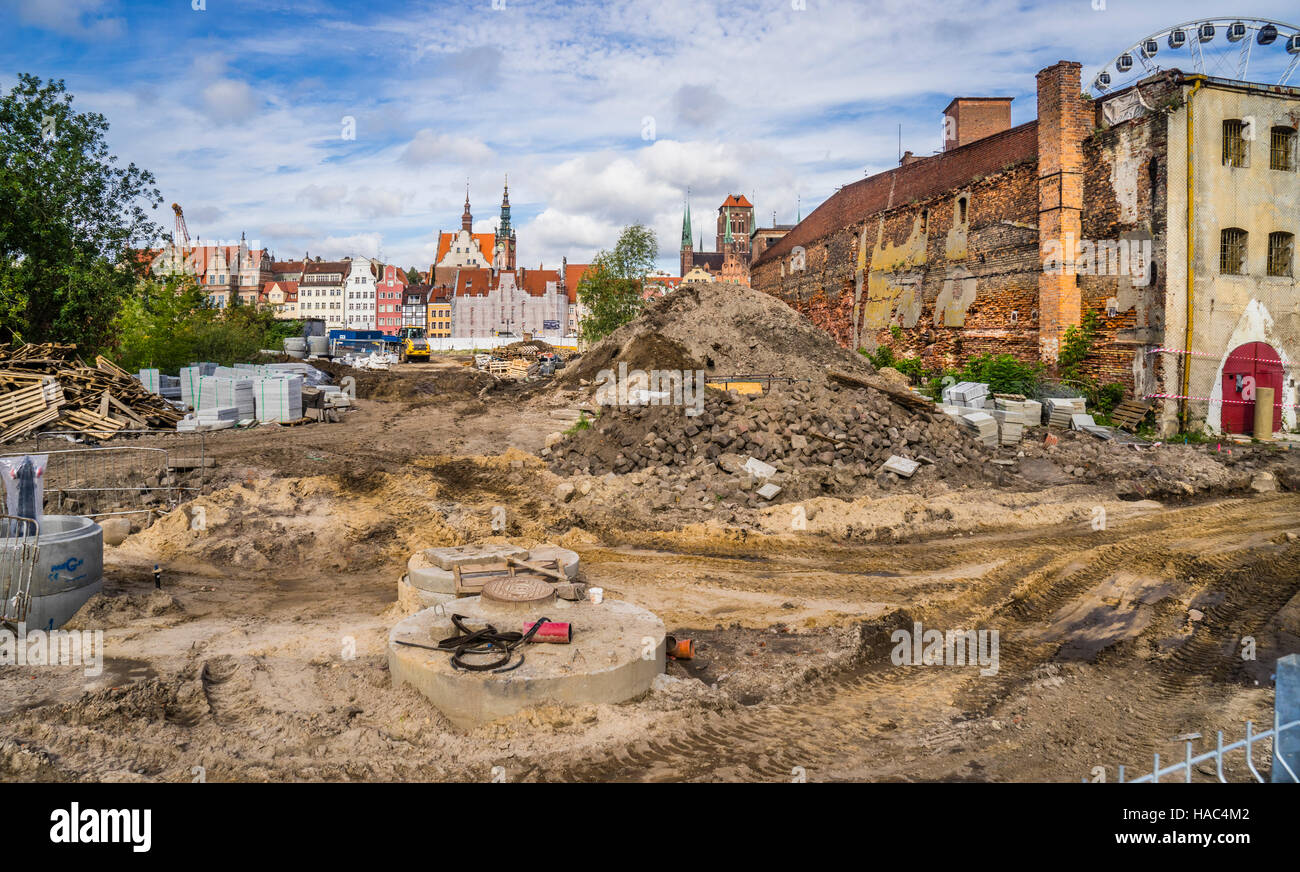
908 366
1003 373
169 324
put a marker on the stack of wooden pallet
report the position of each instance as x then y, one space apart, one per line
46 387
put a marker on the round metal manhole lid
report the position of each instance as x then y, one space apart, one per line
518 590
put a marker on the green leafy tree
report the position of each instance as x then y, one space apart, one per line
611 290
412 276
167 324
70 219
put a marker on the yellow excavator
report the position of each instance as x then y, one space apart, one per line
412 344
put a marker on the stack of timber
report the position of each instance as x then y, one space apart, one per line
47 387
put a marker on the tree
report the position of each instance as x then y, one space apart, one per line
611 289
412 276
70 219
166 324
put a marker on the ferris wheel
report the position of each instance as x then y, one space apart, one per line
1245 49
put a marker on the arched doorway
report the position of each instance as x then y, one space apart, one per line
1257 364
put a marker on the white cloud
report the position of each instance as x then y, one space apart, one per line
428 147
322 196
752 97
77 18
229 101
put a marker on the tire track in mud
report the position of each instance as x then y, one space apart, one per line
876 717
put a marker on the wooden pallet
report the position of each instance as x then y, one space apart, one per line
1129 414
97 401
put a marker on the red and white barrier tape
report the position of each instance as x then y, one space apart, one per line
1219 356
1210 400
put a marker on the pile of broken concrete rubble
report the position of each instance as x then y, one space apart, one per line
797 440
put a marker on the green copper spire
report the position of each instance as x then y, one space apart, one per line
686 226
503 232
726 236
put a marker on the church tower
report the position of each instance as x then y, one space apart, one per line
505 233
687 256
466 219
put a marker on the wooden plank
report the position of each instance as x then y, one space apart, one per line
549 568
1129 414
907 399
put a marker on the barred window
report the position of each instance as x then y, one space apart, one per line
1235 148
1232 251
1281 152
1281 254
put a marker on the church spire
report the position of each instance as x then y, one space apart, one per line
466 219
686 223
505 241
504 231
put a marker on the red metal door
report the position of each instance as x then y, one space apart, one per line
1250 366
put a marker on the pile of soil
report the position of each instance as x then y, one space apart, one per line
723 329
821 439
530 348
420 387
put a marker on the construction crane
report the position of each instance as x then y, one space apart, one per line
181 236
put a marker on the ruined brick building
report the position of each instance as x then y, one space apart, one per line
1001 242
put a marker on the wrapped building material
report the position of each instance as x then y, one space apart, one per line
217 391
278 399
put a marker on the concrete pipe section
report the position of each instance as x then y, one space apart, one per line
616 651
69 570
428 580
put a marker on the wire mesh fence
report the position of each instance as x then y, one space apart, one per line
124 479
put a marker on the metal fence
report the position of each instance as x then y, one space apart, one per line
123 479
19 549
1284 735
1217 755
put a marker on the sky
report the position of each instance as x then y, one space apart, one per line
351 129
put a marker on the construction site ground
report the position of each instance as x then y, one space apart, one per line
263 655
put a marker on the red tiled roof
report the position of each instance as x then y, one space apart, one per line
486 242
573 274
329 266
903 184
442 275
737 201
534 280
473 282
290 290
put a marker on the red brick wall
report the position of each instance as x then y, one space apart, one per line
974 119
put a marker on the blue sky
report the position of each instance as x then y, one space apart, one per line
602 113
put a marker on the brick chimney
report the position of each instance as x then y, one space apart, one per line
1064 121
970 118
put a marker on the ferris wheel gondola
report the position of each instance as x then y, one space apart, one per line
1222 47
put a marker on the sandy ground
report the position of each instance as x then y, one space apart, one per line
262 657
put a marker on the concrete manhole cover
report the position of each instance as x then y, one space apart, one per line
518 590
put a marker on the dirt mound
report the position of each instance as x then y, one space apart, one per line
419 387
530 348
820 436
723 329
817 439
104 611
